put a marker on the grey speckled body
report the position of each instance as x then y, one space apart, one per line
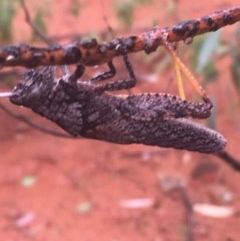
150 119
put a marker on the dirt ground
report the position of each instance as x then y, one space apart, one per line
63 189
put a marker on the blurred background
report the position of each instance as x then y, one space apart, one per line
55 188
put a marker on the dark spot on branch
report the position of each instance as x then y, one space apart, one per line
73 54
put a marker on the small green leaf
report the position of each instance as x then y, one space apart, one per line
40 23
235 65
76 8
207 49
125 10
7 13
235 71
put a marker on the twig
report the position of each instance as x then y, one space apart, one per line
90 52
189 213
25 120
33 26
230 160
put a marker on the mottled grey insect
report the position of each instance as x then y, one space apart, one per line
87 110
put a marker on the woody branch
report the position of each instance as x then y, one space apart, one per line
90 52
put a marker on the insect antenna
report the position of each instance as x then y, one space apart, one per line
5 94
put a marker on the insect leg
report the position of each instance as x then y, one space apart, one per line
106 75
156 106
179 65
122 84
179 79
79 71
194 82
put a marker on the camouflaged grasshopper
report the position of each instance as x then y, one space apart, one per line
91 111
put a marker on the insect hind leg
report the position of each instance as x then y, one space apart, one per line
204 108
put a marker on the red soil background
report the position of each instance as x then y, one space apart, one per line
79 184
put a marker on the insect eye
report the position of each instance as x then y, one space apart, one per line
25 95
